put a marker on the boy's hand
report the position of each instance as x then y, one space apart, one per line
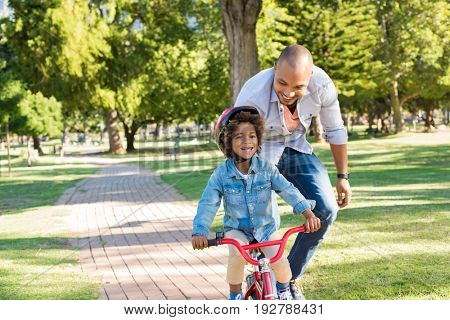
312 223
199 242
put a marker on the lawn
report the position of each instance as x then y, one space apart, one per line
36 260
392 241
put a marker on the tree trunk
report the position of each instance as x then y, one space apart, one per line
197 122
30 150
395 105
130 132
63 139
85 132
447 116
239 19
429 118
8 147
384 125
115 145
370 119
158 130
317 129
37 145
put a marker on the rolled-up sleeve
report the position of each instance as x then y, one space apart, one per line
334 130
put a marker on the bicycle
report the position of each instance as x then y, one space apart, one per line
259 282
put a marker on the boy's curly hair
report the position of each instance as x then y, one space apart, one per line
241 117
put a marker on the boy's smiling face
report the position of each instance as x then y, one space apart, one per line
244 142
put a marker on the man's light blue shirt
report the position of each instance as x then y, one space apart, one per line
320 98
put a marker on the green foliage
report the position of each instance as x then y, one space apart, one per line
342 37
167 61
207 84
37 115
274 31
366 46
415 43
11 93
163 65
430 73
56 46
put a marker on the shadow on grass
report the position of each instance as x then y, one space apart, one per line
19 194
165 149
403 276
421 275
16 285
400 218
40 268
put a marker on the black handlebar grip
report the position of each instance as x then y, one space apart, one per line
212 243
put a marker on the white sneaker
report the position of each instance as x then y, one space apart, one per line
285 295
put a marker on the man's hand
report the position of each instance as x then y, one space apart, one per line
199 242
344 192
312 223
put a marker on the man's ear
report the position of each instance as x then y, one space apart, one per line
275 65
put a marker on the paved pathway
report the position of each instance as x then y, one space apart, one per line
134 232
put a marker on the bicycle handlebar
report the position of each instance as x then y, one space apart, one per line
219 240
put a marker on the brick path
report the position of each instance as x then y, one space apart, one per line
134 232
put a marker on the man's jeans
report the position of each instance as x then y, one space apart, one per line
309 175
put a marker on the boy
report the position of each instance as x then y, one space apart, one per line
245 182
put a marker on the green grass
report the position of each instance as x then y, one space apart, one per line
392 241
38 185
36 260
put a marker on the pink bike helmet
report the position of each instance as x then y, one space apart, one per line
225 117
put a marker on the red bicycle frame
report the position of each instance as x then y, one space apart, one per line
261 286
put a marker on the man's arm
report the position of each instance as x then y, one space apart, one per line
339 152
336 134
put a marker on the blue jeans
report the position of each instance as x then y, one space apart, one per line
310 176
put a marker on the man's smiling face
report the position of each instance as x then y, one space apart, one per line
290 82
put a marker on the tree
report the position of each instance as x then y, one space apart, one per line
144 36
37 115
239 25
342 37
11 93
274 31
56 47
207 88
412 33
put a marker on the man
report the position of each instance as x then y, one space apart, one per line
288 96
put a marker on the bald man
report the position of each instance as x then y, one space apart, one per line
288 96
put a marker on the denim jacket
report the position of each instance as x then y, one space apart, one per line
247 202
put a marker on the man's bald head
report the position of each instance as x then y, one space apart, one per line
296 56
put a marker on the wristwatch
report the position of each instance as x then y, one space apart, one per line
345 176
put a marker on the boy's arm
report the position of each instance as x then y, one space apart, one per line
207 206
292 196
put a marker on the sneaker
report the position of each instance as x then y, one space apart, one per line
236 297
296 289
285 295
